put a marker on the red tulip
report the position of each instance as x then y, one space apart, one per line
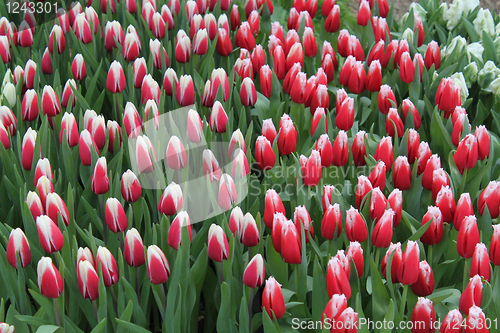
406 68
211 167
311 169
55 206
218 247
434 234
408 106
43 168
107 263
227 192
378 175
157 265
468 237
318 118
185 91
81 28
100 180
98 130
395 200
382 232
218 118
183 47
345 114
384 152
116 219
452 323
172 200
249 233
458 125
385 96
158 52
380 29
396 261
490 197
480 264
139 70
51 238
264 154
248 94
483 142
224 45
50 102
244 37
331 225
362 188
88 280
85 144
439 179
218 79
401 175
49 280
291 243
27 148
25 35
337 281
432 163
287 140
476 321
134 249
410 262
115 81
374 76
294 55
467 153
472 295
131 46
277 225
432 55
175 231
358 149
235 220
423 314
463 209
254 272
301 217
18 246
279 62
377 52
332 22
235 18
273 204
445 201
335 307
272 299
445 96
355 226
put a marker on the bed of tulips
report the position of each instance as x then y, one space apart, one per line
249 166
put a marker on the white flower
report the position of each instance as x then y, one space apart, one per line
454 14
457 42
470 73
494 86
8 78
470 5
484 22
9 94
487 74
418 9
459 79
408 35
444 18
476 49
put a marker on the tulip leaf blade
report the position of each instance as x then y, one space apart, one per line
130 327
389 317
319 298
380 302
269 327
47 329
100 327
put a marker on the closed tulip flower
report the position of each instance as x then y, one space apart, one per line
476 321
467 152
445 201
50 102
378 176
384 152
55 206
345 114
183 47
277 225
81 27
107 263
44 187
445 97
218 246
70 129
157 265
336 305
410 262
413 143
311 169
401 176
227 192
287 140
249 233
211 167
224 44
385 96
452 322
472 295
423 313
358 148
43 168
172 200
318 118
25 35
362 188
396 261
337 281
49 234
18 246
273 204
331 225
272 299
463 209
374 76
382 232
355 226
85 144
483 142
176 154
35 204
139 71
78 68
88 280
29 105
4 49
200 42
393 123
264 154
332 22
68 97
490 197
149 90
266 80
115 81
131 47
406 68
49 280
355 252
244 37
395 200
116 219
439 179
432 55
324 147
248 94
100 180
408 106
113 34
279 62
175 231
134 249
158 52
480 264
434 234
218 118
364 13
27 148
428 164
254 272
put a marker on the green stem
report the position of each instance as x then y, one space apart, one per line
57 313
249 115
103 217
429 255
403 302
250 304
163 298
377 256
466 277
94 305
137 283
221 273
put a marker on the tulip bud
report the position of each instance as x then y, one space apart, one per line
406 68
466 155
273 204
264 154
116 219
490 197
384 97
483 142
480 264
18 245
35 204
176 154
494 245
287 140
384 152
131 47
224 45
378 175
49 234
55 206
158 52
171 200
85 144
25 35
468 236
439 179
337 281
114 134
463 209
218 246
210 166
332 23
301 218
355 226
50 102
227 192
335 307
100 180
452 322
396 261
28 147
139 70
324 147
132 121
429 164
393 124
254 272
401 176
434 234
81 27
272 299
235 220
107 262
362 188
345 114
445 97
358 149
331 225
29 105
49 280
88 280
476 320
382 232
432 55
249 232
423 315
472 295
134 249
410 262
408 106
70 129
446 203
115 81
157 265
144 154
311 169
248 94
